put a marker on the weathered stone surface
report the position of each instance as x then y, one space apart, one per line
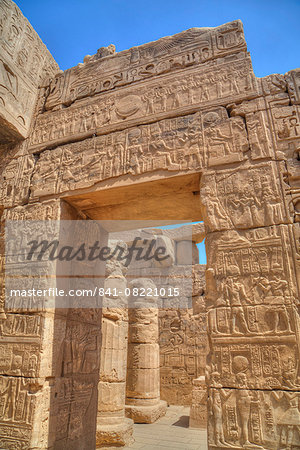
182 332
112 427
193 47
118 434
140 413
183 349
23 401
125 108
293 83
143 403
185 144
178 128
16 175
198 414
245 418
251 198
25 62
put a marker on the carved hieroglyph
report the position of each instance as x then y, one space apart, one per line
188 49
198 413
38 345
183 345
25 63
125 108
171 144
244 198
183 105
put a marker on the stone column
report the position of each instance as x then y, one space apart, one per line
198 414
252 300
143 403
113 428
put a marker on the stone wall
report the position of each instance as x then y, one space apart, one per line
183 346
25 66
188 105
50 357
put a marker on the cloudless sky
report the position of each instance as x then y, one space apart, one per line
72 29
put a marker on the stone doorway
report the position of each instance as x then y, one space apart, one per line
151 204
78 144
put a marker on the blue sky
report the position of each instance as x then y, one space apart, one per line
72 29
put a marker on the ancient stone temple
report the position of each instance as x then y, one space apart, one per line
179 129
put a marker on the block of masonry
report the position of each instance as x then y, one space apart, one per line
181 130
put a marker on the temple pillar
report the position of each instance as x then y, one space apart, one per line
113 428
253 308
143 403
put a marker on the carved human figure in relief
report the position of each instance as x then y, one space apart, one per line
271 201
2 309
289 422
10 394
149 97
216 137
162 149
218 418
244 398
219 83
217 394
212 297
107 110
68 165
161 95
28 166
174 94
280 313
190 88
236 294
233 86
290 378
213 211
243 402
258 140
203 90
191 144
135 151
96 162
279 287
247 208
46 170
115 154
